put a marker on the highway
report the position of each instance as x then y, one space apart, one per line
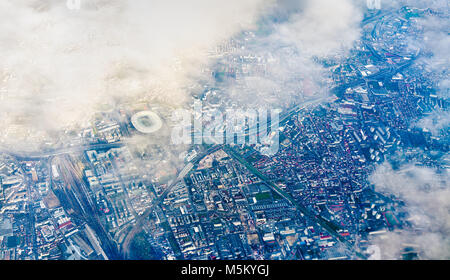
328 226
137 227
39 155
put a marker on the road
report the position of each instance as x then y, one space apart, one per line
39 155
328 226
137 227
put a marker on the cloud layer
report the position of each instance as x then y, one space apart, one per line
288 43
426 194
59 65
323 27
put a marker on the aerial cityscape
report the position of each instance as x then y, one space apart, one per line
224 130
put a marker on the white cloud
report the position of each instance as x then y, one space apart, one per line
437 123
426 194
301 32
323 27
58 65
435 44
